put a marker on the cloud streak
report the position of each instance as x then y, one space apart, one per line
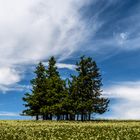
119 26
127 99
10 114
31 31
39 29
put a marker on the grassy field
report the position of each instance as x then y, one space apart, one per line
52 130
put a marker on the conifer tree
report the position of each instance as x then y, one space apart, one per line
86 90
56 91
35 100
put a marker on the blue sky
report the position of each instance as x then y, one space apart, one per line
106 30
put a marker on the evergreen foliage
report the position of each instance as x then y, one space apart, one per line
86 89
35 100
72 99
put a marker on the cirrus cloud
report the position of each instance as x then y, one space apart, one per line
31 31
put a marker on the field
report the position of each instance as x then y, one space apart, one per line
52 130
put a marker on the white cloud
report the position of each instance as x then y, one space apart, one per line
68 66
127 95
63 65
10 114
32 30
121 38
8 76
14 87
122 33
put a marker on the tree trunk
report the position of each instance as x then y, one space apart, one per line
58 117
50 116
72 117
89 116
77 117
82 116
43 117
85 117
67 116
63 117
37 117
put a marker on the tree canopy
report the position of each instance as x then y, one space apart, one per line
76 98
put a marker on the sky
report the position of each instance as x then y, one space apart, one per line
106 30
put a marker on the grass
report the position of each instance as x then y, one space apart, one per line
52 130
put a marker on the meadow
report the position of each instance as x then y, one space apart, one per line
53 130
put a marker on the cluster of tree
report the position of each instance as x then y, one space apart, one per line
75 98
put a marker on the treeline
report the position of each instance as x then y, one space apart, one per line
75 98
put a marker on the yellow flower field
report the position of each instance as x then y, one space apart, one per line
53 130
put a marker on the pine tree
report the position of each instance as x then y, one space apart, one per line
56 91
87 89
35 100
